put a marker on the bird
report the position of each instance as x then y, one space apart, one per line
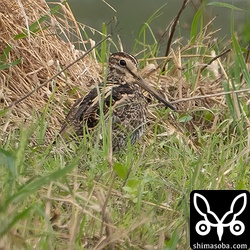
119 98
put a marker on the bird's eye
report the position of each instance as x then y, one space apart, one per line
122 62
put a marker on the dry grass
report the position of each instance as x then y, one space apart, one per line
45 53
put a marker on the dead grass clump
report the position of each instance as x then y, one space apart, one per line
43 54
205 113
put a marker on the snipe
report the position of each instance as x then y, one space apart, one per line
121 97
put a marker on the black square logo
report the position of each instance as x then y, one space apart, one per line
219 219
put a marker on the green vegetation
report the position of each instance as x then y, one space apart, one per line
79 196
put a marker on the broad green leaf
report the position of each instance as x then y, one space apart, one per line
185 118
121 170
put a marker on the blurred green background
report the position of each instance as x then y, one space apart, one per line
132 14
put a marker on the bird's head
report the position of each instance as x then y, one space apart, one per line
123 68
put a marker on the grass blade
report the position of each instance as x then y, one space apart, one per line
33 185
225 5
8 160
241 60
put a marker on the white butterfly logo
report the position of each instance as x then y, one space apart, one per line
203 227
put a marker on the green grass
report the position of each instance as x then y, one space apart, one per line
149 197
73 196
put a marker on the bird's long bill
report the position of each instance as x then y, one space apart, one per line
154 93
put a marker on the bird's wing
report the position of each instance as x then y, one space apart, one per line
86 110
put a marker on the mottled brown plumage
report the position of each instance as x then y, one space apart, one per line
122 99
